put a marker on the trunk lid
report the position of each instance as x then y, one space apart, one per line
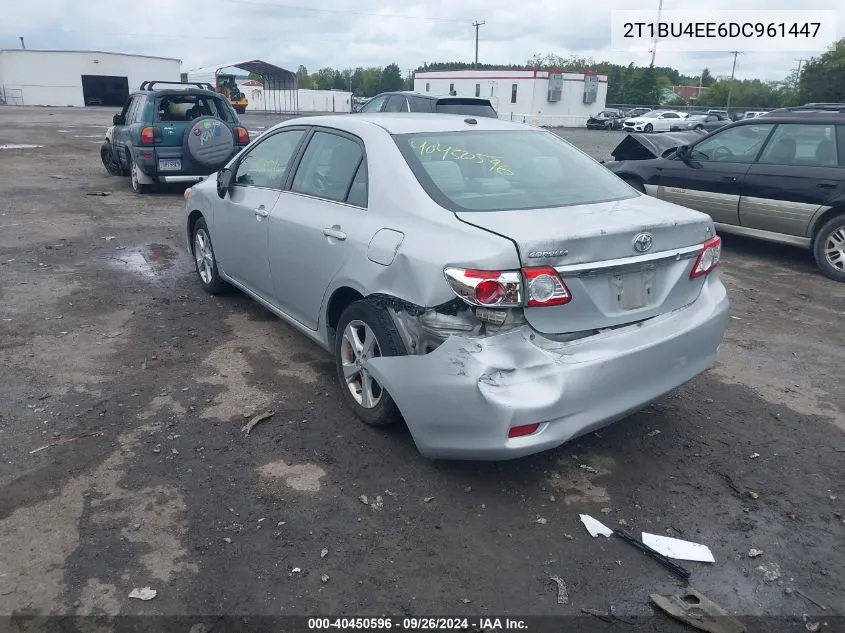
592 248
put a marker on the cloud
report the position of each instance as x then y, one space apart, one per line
350 33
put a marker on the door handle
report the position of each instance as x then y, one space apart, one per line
729 178
827 185
261 212
335 232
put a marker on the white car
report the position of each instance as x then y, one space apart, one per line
654 121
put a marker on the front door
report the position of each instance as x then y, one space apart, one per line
241 220
797 173
709 179
315 225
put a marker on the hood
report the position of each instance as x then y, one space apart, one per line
645 146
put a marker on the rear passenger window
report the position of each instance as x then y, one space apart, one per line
798 144
358 190
328 167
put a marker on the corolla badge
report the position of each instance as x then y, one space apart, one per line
643 242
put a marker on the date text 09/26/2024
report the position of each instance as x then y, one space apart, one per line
417 624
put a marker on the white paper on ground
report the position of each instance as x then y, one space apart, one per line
678 549
595 527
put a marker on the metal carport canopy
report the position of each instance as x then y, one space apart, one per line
278 78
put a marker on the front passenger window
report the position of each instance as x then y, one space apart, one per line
266 164
736 145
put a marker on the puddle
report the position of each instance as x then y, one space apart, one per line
19 146
149 262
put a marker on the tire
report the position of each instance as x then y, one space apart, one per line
209 276
831 236
648 128
366 318
636 183
137 185
698 128
109 161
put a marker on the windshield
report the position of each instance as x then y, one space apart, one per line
466 106
507 170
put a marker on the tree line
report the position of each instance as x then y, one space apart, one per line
822 79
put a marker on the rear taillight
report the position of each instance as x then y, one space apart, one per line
150 136
708 259
243 136
545 288
502 289
531 287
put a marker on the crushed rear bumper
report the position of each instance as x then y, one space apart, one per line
460 400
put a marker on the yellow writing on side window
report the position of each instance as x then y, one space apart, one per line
449 152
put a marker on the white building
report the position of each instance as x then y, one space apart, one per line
77 78
538 97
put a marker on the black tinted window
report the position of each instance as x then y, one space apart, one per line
466 106
418 104
396 103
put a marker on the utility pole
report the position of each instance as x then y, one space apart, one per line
798 72
22 44
731 86
654 47
476 25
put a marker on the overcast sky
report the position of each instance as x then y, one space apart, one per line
348 33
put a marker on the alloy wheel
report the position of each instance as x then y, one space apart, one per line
357 346
204 256
834 249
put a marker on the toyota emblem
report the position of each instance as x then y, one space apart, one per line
643 242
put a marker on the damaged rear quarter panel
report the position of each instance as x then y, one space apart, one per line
433 237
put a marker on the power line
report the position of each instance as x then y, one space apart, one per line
275 5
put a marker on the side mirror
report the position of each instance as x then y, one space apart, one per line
117 119
224 180
684 153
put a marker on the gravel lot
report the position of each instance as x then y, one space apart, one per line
105 330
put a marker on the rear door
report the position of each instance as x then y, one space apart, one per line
316 223
710 179
797 173
664 123
121 133
240 223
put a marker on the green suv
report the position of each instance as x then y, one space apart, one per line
173 134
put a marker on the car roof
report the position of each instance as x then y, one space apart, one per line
806 116
178 91
423 95
407 122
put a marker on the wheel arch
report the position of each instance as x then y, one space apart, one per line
823 218
340 299
193 216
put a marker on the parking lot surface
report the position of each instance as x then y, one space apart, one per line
135 386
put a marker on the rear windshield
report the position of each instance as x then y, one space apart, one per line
507 170
187 107
466 106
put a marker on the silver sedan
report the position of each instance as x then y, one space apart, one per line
485 281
